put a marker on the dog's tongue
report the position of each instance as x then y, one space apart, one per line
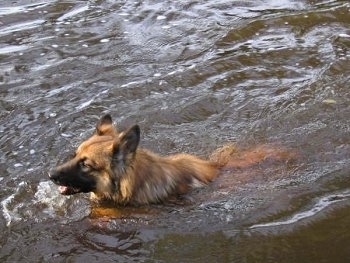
62 189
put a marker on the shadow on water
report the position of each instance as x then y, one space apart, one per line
195 76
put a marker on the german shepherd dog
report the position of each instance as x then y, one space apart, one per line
111 166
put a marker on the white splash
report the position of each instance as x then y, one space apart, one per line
15 207
50 197
11 214
57 206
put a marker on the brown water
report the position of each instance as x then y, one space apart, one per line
194 75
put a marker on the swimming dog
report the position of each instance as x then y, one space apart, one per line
111 166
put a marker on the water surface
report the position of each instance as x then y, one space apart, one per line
194 75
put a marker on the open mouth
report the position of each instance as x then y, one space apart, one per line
68 190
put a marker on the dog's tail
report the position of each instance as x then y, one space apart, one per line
231 157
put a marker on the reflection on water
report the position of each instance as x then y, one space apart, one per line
194 75
321 204
309 243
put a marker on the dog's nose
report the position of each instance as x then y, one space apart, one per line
53 176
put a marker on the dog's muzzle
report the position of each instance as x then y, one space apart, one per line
62 188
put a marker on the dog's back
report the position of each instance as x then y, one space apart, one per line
155 178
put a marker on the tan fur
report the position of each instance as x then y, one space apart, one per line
126 174
151 178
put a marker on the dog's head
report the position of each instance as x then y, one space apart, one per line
99 162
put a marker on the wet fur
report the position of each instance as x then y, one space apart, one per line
111 166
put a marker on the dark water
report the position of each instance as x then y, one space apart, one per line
194 75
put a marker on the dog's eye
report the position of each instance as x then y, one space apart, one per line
84 164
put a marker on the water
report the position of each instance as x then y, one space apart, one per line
195 75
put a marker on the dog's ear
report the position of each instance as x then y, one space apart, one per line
105 126
129 140
124 149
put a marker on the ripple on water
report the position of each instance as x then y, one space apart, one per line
320 205
13 48
21 27
22 8
72 13
194 74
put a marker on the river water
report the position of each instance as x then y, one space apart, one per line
194 75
